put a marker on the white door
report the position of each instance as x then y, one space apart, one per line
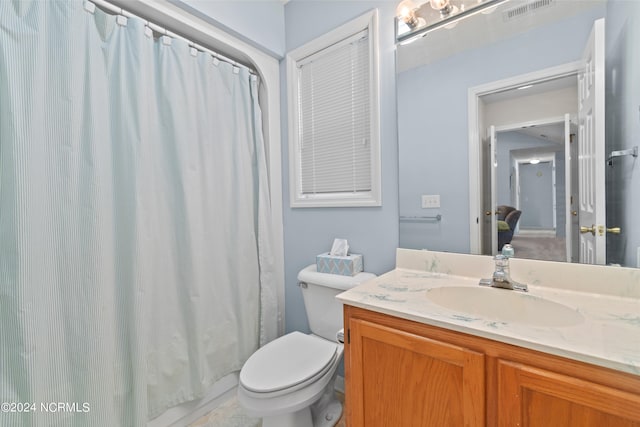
493 144
567 186
489 224
485 205
575 221
591 158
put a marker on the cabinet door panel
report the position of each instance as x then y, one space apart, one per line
402 379
532 397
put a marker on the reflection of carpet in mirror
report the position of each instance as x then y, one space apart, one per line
544 248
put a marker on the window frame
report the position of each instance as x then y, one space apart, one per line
369 22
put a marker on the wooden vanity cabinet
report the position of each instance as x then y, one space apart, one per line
536 397
407 374
403 379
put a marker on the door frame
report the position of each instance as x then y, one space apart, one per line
493 132
477 127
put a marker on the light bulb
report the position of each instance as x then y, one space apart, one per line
406 11
444 7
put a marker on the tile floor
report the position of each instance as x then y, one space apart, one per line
230 414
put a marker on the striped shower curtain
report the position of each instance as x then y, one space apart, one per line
134 244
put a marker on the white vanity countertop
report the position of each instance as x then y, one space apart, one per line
609 336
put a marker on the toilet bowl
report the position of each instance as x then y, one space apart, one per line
290 381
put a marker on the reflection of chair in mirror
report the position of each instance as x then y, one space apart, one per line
508 217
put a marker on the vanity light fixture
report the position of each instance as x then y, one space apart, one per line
414 21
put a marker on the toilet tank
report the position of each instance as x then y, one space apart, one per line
319 291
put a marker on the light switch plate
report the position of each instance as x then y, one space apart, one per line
430 201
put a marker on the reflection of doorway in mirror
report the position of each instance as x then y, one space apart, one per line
527 98
530 177
545 99
539 236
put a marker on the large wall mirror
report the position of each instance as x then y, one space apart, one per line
499 121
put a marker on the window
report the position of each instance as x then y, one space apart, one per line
334 144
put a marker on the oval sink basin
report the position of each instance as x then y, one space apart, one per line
505 306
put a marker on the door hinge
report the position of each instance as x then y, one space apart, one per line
348 336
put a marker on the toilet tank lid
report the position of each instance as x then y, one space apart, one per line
310 274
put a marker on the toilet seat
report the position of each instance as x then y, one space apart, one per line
287 364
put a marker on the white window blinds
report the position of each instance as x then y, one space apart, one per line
334 98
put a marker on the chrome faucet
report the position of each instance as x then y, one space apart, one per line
501 277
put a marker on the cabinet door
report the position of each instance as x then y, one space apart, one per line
535 397
404 380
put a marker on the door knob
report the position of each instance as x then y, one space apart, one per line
614 230
574 213
487 213
591 229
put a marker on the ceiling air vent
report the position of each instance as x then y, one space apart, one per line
526 8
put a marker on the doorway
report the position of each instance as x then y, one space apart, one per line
560 80
541 234
528 171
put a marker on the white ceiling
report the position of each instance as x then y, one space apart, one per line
549 132
553 132
536 89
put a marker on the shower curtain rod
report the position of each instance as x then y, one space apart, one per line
157 28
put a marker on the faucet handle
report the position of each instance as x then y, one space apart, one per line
501 261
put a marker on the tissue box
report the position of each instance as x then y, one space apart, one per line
349 265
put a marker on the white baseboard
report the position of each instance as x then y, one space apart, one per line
542 232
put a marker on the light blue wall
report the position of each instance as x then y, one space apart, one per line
623 127
536 198
432 118
370 231
259 22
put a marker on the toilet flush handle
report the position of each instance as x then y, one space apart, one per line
303 285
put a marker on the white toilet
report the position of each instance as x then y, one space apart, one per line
290 381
